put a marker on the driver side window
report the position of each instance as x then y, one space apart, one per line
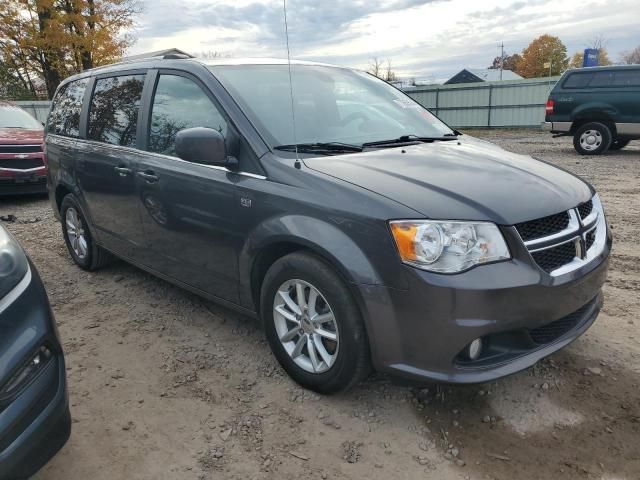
180 103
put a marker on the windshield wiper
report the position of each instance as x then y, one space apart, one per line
409 140
326 148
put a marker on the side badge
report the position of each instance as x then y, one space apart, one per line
245 202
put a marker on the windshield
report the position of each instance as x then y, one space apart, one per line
331 104
15 117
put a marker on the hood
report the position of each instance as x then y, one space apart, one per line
18 136
469 179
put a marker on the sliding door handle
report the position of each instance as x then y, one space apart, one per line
148 176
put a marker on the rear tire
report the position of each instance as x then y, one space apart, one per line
77 236
318 337
619 144
592 138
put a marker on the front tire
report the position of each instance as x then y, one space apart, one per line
313 325
77 236
592 138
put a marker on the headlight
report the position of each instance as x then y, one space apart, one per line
448 247
13 263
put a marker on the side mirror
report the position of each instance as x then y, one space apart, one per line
201 145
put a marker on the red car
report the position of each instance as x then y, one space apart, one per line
23 167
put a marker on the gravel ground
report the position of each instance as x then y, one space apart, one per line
165 385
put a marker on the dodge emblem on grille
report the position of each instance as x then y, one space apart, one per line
579 249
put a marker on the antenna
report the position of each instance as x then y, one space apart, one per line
293 113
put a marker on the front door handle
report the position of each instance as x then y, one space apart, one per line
148 176
122 171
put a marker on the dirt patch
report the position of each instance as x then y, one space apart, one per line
166 385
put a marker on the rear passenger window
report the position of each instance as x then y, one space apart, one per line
113 114
64 117
601 79
179 103
626 78
578 80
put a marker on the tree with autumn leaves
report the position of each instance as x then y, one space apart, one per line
48 40
534 60
547 54
544 56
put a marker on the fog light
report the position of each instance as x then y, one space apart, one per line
474 349
28 371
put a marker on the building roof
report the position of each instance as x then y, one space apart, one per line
493 74
157 53
470 75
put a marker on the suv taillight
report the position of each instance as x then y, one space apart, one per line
549 108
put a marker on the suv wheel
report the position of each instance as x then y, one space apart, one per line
313 324
618 144
592 138
75 229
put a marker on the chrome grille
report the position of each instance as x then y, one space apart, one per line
590 239
563 242
543 227
585 209
21 163
17 149
553 258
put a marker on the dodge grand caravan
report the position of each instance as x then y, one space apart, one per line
361 230
34 408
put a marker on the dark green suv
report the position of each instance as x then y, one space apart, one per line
598 106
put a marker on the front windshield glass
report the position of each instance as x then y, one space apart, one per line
14 117
331 105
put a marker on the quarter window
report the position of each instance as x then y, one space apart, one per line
578 80
179 103
64 118
113 116
626 78
601 79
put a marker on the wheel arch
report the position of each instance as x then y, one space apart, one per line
278 237
602 114
61 192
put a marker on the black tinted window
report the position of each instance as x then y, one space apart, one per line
113 115
180 103
626 78
601 79
578 80
64 117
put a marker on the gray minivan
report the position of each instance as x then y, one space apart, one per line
361 230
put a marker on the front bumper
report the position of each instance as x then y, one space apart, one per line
23 185
419 333
34 419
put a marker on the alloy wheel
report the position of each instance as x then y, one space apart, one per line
306 326
75 233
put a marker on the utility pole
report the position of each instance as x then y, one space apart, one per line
501 59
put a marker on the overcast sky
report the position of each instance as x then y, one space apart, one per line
426 39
